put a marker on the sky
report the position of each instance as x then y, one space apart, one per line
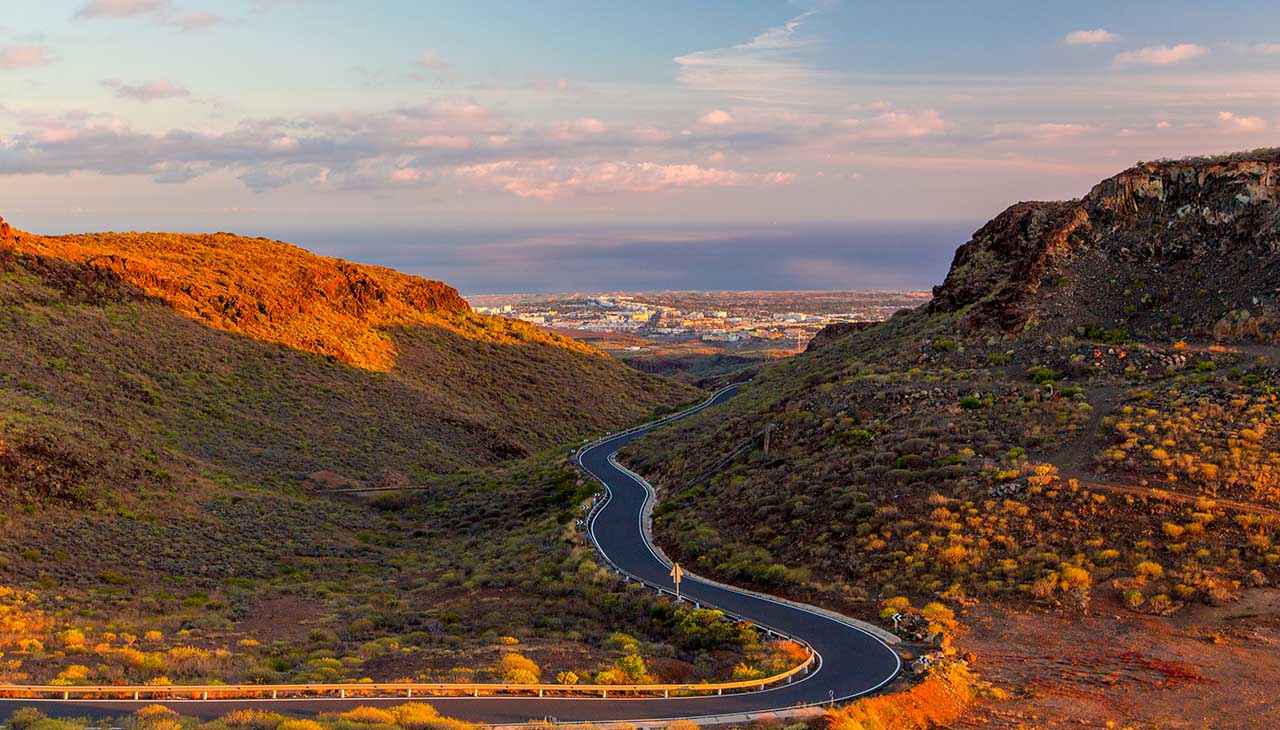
592 144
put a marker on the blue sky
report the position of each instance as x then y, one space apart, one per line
321 117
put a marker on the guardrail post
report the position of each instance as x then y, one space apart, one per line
66 695
604 693
666 694
342 694
204 695
410 693
135 694
539 691
719 692
475 692
273 694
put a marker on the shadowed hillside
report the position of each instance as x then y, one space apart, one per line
256 359
170 406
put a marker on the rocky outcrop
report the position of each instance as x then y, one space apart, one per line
996 271
834 331
6 233
1153 236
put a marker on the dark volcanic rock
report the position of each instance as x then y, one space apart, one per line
1186 247
834 331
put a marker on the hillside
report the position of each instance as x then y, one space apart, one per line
257 357
1084 416
170 406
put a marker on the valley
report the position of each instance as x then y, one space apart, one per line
1057 442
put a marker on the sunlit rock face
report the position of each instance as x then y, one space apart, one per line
1191 246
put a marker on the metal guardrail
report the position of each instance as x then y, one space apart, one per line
383 689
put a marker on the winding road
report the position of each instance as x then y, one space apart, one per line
853 661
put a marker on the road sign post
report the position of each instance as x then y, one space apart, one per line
676 574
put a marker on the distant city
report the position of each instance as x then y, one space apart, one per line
783 319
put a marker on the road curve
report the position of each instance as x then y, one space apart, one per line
854 662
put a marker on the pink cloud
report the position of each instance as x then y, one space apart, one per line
122 8
1160 55
14 57
406 175
432 60
577 129
716 118
1093 37
551 180
198 21
1044 131
899 124
1236 123
147 91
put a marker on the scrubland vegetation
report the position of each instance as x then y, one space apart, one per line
908 466
170 407
409 716
478 578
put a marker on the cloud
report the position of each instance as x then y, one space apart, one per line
1266 49
766 69
576 130
1044 131
553 180
557 86
1160 55
147 91
123 8
898 124
1094 37
716 118
430 59
162 12
1234 123
15 57
198 21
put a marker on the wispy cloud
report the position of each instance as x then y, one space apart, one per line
765 69
198 20
15 57
1160 55
162 12
1042 131
1094 37
1264 49
123 8
147 91
553 180
430 59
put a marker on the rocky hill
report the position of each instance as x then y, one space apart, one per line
1086 411
1187 248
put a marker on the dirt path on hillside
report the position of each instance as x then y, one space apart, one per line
1075 459
1180 497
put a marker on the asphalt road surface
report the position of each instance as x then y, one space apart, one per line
853 661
